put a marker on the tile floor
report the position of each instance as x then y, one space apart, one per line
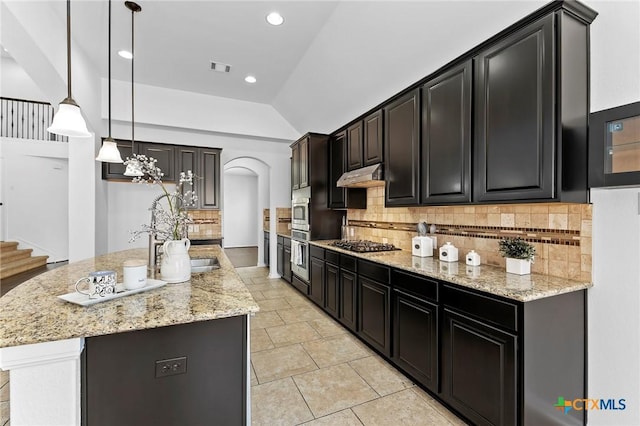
307 369
241 257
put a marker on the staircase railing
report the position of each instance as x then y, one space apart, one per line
24 119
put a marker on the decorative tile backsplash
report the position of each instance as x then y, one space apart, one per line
283 220
207 224
560 232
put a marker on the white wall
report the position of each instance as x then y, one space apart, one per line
239 215
614 318
35 196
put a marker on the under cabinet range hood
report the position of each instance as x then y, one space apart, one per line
362 178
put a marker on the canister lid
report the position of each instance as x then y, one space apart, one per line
134 262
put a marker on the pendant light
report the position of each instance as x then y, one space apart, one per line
68 120
134 168
109 152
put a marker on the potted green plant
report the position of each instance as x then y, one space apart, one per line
518 253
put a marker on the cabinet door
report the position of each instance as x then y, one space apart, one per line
295 166
354 146
402 150
115 171
266 248
479 370
374 307
373 139
337 167
515 137
280 263
347 301
304 162
317 283
187 159
415 338
332 279
165 154
210 179
446 137
287 264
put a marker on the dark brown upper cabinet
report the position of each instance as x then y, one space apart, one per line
295 166
300 163
446 137
402 150
342 198
354 146
372 145
165 154
531 111
205 164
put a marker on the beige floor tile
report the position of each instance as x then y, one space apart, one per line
401 408
292 333
4 377
254 379
277 293
4 392
383 378
341 418
281 362
327 327
260 340
262 287
299 314
335 350
266 319
333 389
296 299
273 304
4 412
257 295
452 418
278 403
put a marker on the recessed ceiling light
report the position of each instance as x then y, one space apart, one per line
125 54
250 79
274 18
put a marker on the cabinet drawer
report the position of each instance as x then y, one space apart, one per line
316 252
422 287
280 240
332 257
348 262
494 311
374 271
300 285
286 242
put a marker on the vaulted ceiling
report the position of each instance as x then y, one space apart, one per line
329 62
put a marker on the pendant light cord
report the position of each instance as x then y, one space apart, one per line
132 88
109 62
69 49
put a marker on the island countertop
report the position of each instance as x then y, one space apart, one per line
32 312
485 278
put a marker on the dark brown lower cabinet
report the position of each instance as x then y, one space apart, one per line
266 248
374 309
332 281
280 257
299 284
348 299
479 370
415 338
123 382
286 267
317 283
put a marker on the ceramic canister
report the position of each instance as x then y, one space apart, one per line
448 253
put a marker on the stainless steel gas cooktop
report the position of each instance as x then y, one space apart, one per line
362 246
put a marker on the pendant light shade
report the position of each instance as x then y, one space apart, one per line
109 152
134 168
68 121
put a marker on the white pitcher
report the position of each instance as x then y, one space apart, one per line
176 263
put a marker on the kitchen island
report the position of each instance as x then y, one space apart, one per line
42 338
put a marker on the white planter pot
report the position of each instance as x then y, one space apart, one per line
518 266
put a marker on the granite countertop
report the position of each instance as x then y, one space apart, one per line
486 278
31 313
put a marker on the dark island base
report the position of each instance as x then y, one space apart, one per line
123 383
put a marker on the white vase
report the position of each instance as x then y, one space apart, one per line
518 266
176 263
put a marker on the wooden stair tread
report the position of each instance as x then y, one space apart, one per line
9 269
8 246
8 256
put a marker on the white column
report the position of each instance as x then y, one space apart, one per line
82 199
45 382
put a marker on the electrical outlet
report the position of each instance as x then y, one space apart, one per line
171 367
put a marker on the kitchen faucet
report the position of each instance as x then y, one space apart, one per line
154 243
